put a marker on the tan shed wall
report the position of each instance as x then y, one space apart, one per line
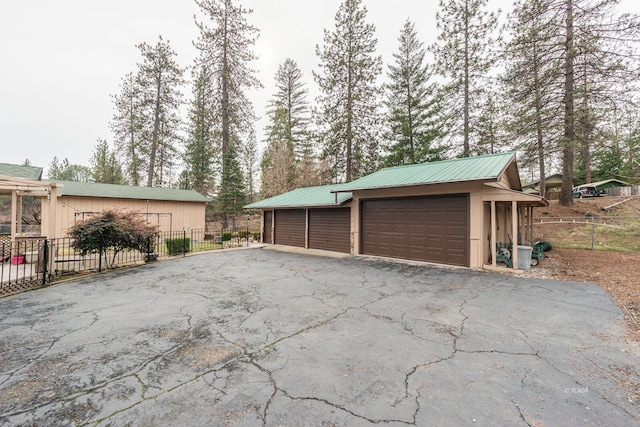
184 215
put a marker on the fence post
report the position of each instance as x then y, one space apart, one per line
184 242
593 233
45 261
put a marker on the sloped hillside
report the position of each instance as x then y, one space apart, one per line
615 270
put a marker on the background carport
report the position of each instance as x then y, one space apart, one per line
313 218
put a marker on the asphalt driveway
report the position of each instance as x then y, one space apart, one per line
260 337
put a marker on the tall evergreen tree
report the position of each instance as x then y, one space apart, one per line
568 137
532 82
464 57
233 198
127 126
226 52
606 70
277 164
104 164
489 126
348 114
412 104
160 80
249 158
291 97
201 156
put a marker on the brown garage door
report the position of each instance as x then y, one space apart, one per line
330 229
267 237
434 229
290 227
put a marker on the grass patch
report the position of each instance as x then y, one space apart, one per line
614 234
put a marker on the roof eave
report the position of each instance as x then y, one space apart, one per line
491 178
512 161
333 205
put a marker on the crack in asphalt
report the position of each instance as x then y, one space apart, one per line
10 374
528 420
615 379
455 333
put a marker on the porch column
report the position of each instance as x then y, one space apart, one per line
530 222
14 213
514 233
494 252
306 227
53 212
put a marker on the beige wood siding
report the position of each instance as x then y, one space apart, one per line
175 216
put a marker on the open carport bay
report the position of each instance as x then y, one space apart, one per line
260 337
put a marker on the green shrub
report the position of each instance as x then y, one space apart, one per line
178 245
226 236
256 236
243 234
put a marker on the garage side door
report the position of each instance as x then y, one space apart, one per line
330 229
290 227
433 229
268 223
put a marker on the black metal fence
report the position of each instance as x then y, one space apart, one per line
33 262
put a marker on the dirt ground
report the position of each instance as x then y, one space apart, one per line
616 272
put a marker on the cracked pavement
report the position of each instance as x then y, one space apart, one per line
260 337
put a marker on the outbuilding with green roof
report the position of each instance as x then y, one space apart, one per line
171 209
452 212
65 202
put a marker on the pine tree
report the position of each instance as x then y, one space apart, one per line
67 171
127 126
291 96
105 167
606 69
412 104
348 115
277 165
160 80
249 158
201 156
232 196
464 58
54 169
226 52
532 81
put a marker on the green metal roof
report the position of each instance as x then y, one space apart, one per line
90 189
455 170
305 197
19 171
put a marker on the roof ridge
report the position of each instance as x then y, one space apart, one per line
456 159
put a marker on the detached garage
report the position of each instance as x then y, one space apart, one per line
453 212
312 218
330 229
432 228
